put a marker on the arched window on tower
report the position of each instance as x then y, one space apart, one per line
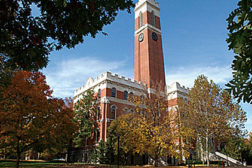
113 112
125 95
152 18
113 92
140 19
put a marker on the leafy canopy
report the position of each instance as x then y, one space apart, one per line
30 118
27 39
240 41
210 110
151 128
235 147
211 113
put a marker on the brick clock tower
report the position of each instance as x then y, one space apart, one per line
149 61
112 91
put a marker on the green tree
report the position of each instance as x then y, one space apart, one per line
30 117
104 152
211 113
240 41
27 39
234 147
86 118
250 146
238 148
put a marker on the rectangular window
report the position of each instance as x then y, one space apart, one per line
113 112
113 92
152 18
98 113
140 20
99 93
97 135
125 95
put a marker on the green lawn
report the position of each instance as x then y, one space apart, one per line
33 164
39 164
27 164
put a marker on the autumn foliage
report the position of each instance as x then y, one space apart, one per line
151 129
211 113
30 117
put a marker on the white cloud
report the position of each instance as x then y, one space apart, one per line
68 75
187 75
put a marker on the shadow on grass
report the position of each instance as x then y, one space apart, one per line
28 164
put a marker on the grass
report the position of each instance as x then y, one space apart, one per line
43 164
27 164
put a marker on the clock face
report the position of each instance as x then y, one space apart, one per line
141 37
154 36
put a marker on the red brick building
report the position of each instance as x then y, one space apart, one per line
113 90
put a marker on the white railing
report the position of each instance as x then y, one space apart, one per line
229 159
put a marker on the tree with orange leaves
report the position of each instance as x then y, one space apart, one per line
31 117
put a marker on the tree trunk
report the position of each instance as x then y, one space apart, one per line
18 154
4 153
201 151
207 151
156 161
69 158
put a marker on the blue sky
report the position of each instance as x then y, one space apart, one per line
193 34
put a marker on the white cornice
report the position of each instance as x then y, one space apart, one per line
103 80
111 100
147 26
105 100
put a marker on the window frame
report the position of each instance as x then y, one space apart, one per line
98 113
153 19
140 19
97 132
125 95
113 89
99 93
113 107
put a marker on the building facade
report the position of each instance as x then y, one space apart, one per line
113 91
